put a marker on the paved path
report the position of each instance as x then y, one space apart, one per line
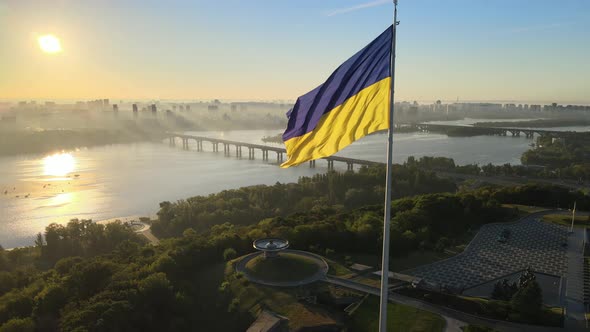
574 294
151 237
453 325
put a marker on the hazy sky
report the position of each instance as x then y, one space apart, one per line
528 50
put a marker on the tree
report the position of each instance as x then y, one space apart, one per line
229 254
526 277
503 290
528 301
18 325
39 240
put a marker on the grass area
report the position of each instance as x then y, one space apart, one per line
524 209
399 318
369 281
337 269
477 328
493 309
565 220
286 267
366 259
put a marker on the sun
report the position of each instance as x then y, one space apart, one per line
49 44
59 164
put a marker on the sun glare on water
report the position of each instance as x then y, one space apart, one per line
49 44
59 164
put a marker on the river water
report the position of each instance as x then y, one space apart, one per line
131 179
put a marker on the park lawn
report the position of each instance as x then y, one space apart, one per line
399 318
565 220
337 269
369 281
551 315
493 309
285 267
524 210
477 328
365 259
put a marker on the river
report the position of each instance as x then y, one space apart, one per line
131 179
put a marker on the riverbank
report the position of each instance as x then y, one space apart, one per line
139 224
16 142
540 123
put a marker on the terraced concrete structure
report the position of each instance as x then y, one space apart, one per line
530 243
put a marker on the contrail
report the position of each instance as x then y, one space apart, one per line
358 7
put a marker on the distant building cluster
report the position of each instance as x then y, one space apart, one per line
94 105
414 111
438 106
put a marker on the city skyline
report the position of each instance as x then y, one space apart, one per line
527 51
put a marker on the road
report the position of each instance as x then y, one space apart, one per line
574 297
149 236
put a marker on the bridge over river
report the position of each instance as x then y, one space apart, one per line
477 130
228 146
280 152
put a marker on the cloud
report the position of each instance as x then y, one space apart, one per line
358 7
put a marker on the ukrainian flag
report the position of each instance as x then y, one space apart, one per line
351 104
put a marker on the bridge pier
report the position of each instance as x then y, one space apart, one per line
349 166
529 134
227 146
172 141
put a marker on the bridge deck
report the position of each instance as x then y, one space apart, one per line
507 129
270 148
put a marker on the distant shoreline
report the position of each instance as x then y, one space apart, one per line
126 219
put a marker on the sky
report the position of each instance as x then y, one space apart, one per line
470 50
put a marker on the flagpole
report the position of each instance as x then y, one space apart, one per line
388 185
573 217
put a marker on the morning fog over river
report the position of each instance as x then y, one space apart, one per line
131 179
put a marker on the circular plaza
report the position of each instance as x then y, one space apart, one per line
275 265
